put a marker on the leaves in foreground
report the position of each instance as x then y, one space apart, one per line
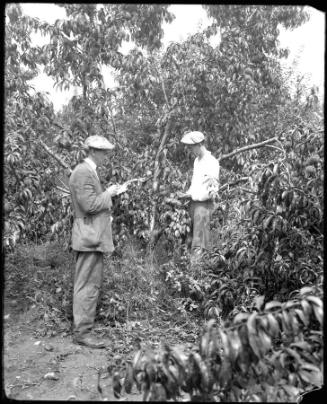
279 346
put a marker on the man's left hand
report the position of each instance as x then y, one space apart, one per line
183 195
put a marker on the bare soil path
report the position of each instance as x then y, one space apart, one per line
53 368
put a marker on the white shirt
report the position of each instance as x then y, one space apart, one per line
92 164
205 177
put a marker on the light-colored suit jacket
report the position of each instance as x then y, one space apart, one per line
92 211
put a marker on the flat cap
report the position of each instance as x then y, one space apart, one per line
98 142
193 137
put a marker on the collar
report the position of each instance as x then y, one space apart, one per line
91 163
206 153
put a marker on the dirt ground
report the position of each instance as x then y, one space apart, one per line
53 368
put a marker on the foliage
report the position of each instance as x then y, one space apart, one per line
230 91
160 91
92 35
42 277
245 360
28 197
267 231
131 286
274 244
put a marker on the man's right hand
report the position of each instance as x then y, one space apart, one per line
113 189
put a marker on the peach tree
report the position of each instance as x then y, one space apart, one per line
73 56
160 94
29 201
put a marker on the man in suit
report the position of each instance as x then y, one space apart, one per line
91 236
205 182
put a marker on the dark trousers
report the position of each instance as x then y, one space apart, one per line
87 284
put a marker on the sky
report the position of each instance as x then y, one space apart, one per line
306 43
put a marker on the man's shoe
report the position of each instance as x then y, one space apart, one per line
89 342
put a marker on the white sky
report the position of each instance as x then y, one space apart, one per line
306 43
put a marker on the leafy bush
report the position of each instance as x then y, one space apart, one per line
269 243
40 277
270 354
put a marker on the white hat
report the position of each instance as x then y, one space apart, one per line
98 142
193 137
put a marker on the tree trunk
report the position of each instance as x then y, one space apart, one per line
155 178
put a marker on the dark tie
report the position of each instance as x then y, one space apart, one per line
98 173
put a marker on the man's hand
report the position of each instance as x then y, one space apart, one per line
117 189
122 188
113 189
183 195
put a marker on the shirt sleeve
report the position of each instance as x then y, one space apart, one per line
213 169
192 186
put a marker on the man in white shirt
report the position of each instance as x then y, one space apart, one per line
205 182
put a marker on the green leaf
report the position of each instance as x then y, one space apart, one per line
251 323
235 344
306 308
289 304
294 354
256 215
255 344
318 313
301 344
310 367
286 321
282 358
240 317
263 320
224 339
273 324
306 290
252 332
314 378
315 300
258 301
291 390
295 325
273 305
265 339
267 221
302 316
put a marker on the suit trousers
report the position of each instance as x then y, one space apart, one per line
87 285
201 216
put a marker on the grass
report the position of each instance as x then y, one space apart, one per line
39 280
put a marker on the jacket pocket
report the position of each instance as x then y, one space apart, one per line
86 233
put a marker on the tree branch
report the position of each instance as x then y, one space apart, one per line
55 156
163 87
248 190
243 179
249 147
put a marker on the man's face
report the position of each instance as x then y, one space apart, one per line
195 149
99 156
